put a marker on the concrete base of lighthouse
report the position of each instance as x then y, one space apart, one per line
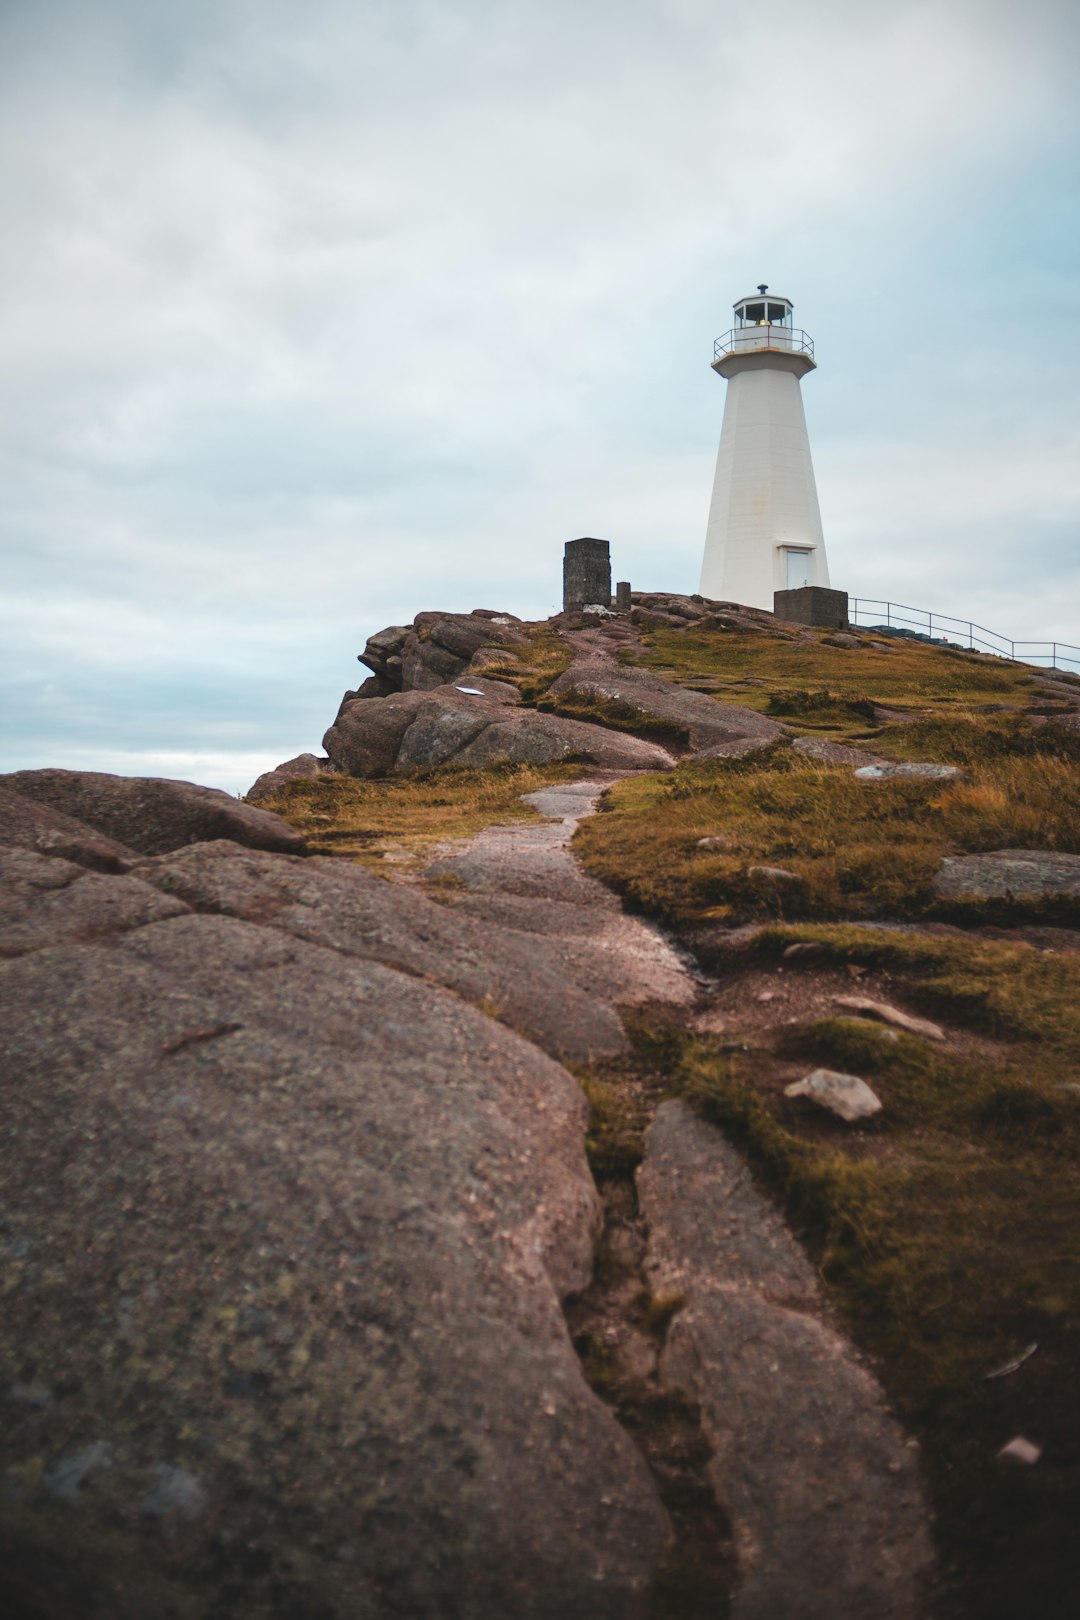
826 610
764 532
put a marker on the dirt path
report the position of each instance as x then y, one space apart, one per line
790 1488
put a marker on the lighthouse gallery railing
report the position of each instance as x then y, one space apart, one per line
744 339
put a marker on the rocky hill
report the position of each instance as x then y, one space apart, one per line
393 1219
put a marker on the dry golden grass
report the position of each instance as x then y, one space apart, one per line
536 665
818 688
854 848
949 1230
404 816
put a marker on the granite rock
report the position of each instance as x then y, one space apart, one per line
153 814
285 1235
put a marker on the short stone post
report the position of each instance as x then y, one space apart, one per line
622 596
586 574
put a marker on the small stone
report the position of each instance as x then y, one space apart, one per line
803 950
65 1480
892 1015
915 770
765 995
174 1491
714 841
711 1022
842 1094
34 1395
773 874
1020 1450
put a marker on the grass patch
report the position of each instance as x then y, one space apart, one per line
532 668
823 711
403 816
757 669
947 1232
853 848
1010 992
949 1236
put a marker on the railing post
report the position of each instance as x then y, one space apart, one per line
971 636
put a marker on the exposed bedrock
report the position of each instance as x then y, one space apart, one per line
435 648
304 768
285 1233
706 722
530 984
153 814
821 1487
29 824
451 726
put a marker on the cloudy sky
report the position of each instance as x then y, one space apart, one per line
313 316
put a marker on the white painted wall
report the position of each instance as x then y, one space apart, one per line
764 495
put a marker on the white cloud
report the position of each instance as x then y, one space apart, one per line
320 316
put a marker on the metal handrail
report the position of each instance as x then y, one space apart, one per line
952 631
798 341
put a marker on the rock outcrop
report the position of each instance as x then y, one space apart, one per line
703 721
29 824
528 983
436 648
285 1231
304 768
450 726
153 814
822 1489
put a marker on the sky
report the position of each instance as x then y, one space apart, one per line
313 317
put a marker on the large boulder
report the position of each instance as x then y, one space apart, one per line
304 768
436 648
26 823
452 726
153 814
706 722
285 1233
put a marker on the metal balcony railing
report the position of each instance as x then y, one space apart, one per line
790 339
945 629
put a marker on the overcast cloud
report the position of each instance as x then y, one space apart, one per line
312 317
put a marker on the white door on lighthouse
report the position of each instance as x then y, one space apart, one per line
796 569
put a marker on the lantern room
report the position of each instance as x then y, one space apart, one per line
764 309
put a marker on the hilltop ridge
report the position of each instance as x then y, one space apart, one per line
379 1236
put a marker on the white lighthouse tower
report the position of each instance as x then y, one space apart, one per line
764 531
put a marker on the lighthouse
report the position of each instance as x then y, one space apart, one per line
764 531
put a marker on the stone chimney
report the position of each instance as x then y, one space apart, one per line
586 574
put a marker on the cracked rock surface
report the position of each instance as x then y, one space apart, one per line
284 1237
821 1487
